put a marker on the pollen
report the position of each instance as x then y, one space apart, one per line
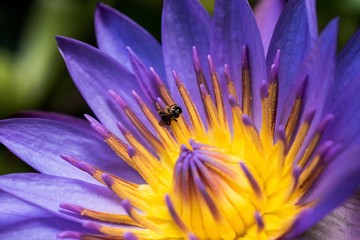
217 176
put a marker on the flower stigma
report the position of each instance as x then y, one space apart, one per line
217 176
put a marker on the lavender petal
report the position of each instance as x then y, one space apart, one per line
115 32
40 142
48 192
185 24
73 121
348 67
42 228
294 35
267 13
234 26
95 73
14 210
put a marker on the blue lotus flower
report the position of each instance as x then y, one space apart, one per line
201 138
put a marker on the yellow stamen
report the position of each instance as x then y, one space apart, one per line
111 218
218 94
273 96
246 83
208 182
198 127
230 84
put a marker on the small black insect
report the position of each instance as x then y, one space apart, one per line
172 113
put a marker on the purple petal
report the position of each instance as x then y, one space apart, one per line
39 142
294 34
70 120
348 66
267 13
345 98
342 223
44 228
94 74
185 24
335 185
115 32
48 192
345 128
145 80
319 67
233 27
13 210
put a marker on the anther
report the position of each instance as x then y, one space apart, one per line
264 90
87 168
246 82
174 215
217 92
253 133
253 183
72 207
131 151
130 236
230 84
259 221
92 225
161 88
274 71
315 139
142 75
156 77
274 90
203 191
98 127
70 234
199 73
161 103
295 113
295 174
233 102
79 164
281 141
70 160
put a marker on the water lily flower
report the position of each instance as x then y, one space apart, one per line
263 147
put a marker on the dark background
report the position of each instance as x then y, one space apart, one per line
32 72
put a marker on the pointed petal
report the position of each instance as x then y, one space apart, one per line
348 66
146 82
22 220
115 32
335 185
95 73
294 35
39 142
345 98
70 120
43 228
319 67
267 13
342 223
345 128
234 26
13 210
48 192
185 24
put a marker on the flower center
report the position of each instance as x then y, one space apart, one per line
212 195
229 180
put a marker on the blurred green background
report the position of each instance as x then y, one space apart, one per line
32 72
